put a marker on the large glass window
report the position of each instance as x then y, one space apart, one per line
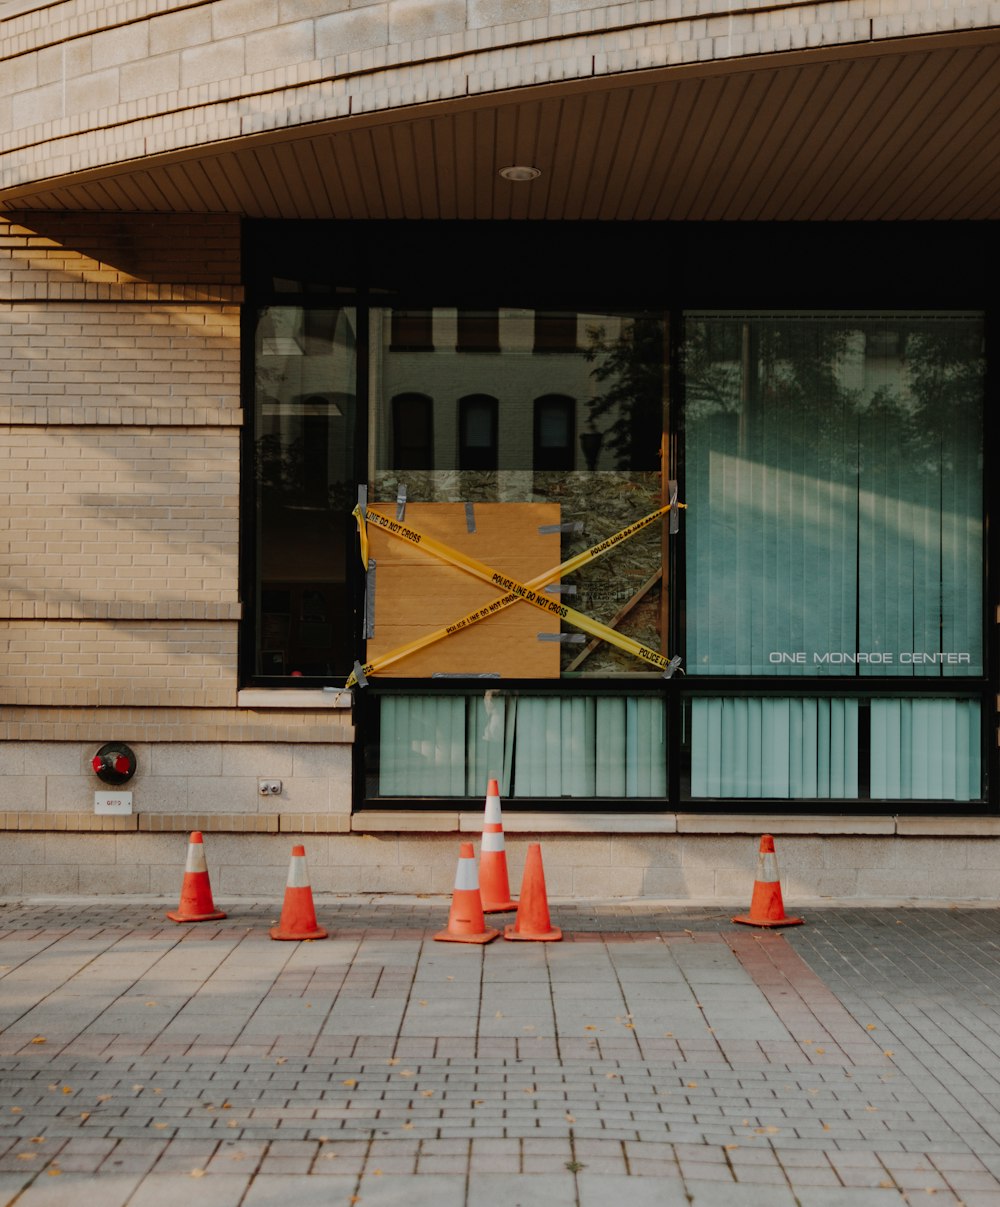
833 468
569 444
304 403
834 480
538 747
823 587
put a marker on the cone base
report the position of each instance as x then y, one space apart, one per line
175 915
499 907
291 936
750 920
532 936
487 936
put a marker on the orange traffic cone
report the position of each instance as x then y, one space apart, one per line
532 921
298 916
766 906
465 919
196 904
494 887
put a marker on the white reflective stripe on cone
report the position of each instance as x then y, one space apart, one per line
767 871
493 840
196 858
493 810
298 873
467 877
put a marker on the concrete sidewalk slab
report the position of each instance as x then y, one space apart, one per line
655 1053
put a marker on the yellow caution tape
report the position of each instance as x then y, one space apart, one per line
515 590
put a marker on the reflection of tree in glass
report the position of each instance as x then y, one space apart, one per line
630 367
941 382
285 480
786 383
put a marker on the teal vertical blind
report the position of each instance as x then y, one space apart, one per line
926 749
537 747
774 748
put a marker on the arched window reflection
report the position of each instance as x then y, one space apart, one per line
477 432
412 431
554 431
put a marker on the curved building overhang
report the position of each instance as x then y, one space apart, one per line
793 112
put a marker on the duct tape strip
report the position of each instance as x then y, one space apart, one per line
672 665
369 624
560 589
569 526
565 638
470 518
357 676
401 501
508 600
466 675
674 525
487 574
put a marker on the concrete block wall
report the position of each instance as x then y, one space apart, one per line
705 868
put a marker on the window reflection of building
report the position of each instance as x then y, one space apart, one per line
412 431
477 432
413 330
478 331
554 332
554 432
304 421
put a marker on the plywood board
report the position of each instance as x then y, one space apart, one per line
417 593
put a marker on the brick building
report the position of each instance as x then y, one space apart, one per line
259 262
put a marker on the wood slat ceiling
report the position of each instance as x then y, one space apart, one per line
883 137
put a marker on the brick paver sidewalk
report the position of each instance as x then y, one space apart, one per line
658 1055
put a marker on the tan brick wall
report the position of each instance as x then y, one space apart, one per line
131 523
119 484
118 663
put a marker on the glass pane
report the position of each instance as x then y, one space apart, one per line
834 489
536 747
774 748
834 748
510 425
304 395
926 750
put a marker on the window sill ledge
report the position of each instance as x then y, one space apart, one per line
290 697
811 825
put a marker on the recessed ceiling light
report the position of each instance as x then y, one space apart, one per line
520 172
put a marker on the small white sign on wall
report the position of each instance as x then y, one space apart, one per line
112 802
